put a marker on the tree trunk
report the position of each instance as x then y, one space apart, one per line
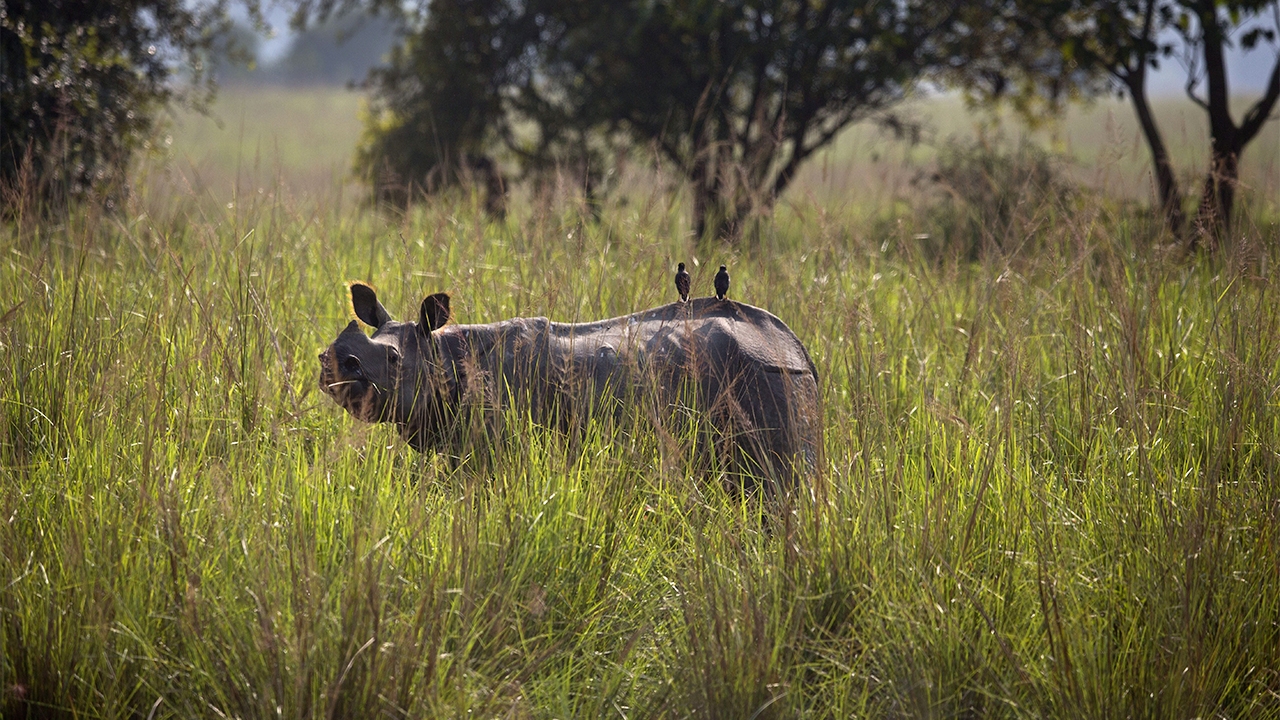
1227 141
711 212
1217 200
1166 181
702 199
1213 218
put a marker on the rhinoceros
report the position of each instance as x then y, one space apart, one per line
738 372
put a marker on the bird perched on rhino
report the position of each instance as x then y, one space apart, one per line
722 283
682 283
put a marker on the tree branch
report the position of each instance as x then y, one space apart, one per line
1261 110
1191 88
1192 71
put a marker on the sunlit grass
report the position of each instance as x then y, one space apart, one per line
1051 482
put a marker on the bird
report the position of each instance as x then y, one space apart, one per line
682 283
722 283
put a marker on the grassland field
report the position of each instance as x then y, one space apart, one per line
304 139
1051 484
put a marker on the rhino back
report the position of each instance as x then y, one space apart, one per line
703 330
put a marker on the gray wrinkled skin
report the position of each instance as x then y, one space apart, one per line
737 370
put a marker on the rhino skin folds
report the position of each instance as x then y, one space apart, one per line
735 371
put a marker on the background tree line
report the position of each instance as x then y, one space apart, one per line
338 52
735 95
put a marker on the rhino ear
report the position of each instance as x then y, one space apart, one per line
365 302
434 313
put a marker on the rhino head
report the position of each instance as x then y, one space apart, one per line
397 374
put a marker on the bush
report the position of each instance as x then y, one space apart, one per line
994 198
82 82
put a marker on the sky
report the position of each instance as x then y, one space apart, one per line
1247 71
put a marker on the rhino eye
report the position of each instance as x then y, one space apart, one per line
393 357
351 365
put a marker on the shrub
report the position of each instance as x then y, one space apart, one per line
994 197
83 81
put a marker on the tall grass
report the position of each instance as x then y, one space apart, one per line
1051 484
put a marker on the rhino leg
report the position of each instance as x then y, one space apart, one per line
766 421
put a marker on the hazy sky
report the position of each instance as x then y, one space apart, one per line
1247 72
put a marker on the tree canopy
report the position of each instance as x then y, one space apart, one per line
736 94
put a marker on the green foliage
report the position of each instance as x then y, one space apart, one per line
734 95
995 199
1051 485
82 83
737 95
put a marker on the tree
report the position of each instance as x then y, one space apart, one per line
736 94
1059 49
437 105
1207 27
82 81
